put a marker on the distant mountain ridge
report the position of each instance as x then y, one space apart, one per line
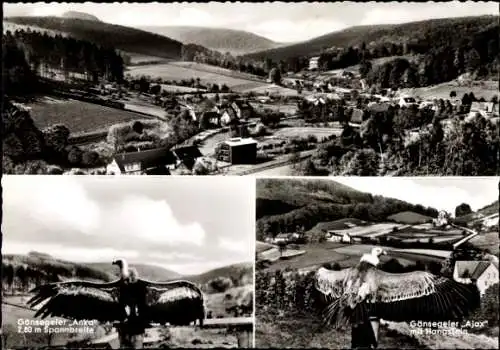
240 273
221 39
119 37
80 15
434 31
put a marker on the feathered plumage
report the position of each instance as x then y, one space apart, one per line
176 303
355 293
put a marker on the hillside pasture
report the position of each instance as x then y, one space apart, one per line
410 218
167 71
315 254
319 133
202 67
263 246
441 254
489 240
78 116
485 89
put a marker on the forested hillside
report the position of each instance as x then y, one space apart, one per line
327 201
449 47
123 38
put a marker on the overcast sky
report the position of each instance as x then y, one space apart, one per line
186 224
278 21
442 193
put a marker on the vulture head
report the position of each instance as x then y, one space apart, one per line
124 270
373 257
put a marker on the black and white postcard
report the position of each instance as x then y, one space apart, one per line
265 89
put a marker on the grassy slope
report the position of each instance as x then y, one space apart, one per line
119 37
221 39
408 217
450 30
78 116
242 272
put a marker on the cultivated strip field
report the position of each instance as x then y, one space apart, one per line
177 72
78 116
306 131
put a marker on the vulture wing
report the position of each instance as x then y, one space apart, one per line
176 303
331 283
77 300
421 296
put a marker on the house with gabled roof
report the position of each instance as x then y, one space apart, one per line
228 116
186 155
243 109
483 273
156 161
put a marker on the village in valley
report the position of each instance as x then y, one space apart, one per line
305 224
369 104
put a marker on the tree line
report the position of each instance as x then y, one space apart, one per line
23 277
28 54
309 215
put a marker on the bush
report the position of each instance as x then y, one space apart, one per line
220 284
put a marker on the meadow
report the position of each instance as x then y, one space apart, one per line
485 89
78 116
168 71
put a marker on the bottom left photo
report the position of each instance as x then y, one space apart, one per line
127 262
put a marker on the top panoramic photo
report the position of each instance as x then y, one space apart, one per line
264 89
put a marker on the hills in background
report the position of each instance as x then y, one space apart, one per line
236 42
434 33
167 41
80 15
282 206
240 274
123 38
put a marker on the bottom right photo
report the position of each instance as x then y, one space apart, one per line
364 263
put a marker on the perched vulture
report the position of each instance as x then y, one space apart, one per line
364 292
174 303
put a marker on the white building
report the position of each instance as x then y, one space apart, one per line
484 273
314 63
333 236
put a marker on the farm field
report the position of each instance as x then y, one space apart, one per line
149 110
78 116
316 254
274 254
486 89
288 132
214 69
263 246
176 72
285 170
430 252
179 89
408 217
372 230
489 240
272 89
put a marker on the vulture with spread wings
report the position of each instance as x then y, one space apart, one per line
358 293
175 303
